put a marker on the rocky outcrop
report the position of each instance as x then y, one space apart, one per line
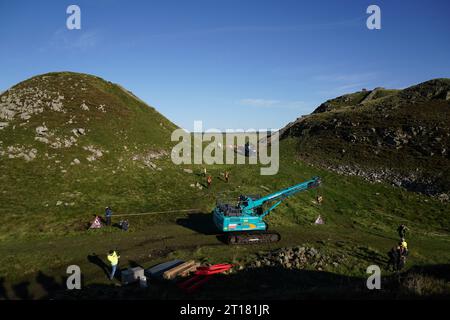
399 137
300 257
429 90
148 158
18 151
22 103
96 153
371 95
414 181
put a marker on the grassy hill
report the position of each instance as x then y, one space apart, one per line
48 201
73 143
397 136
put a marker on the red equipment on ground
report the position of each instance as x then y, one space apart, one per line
203 275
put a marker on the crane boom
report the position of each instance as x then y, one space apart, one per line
248 204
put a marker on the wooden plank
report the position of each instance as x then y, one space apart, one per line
186 272
172 273
158 270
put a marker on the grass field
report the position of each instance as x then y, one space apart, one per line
48 202
360 222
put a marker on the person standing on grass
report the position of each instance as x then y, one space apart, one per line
393 258
402 231
209 180
404 245
319 199
226 176
403 252
108 215
113 258
399 261
204 171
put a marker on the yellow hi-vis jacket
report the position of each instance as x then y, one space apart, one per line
404 245
113 258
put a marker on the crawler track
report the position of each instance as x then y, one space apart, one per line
252 237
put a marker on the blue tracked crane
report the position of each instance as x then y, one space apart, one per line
244 222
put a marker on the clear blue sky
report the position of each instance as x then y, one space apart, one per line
231 63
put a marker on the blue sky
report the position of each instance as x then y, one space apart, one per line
231 63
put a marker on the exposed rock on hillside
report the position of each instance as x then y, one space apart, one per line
398 136
300 257
60 131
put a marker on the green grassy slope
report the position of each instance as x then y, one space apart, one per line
360 217
39 239
131 136
397 136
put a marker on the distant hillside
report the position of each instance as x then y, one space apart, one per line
399 136
77 142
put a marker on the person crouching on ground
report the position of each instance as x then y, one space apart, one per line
124 224
113 258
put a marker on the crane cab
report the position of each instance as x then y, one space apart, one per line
229 216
